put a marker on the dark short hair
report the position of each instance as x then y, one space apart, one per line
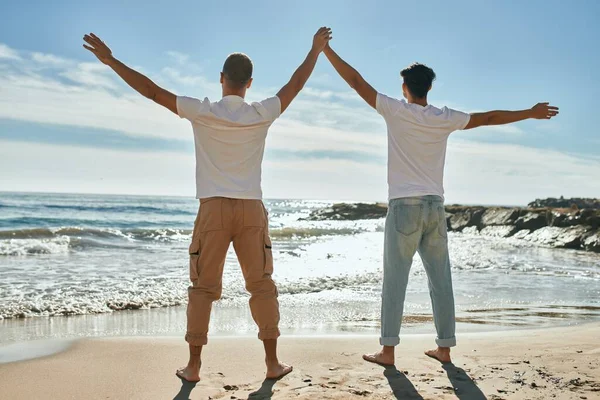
418 78
238 70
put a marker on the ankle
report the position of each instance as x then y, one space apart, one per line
388 350
272 361
194 367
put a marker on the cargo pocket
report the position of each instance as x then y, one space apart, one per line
408 218
442 222
194 252
268 255
194 267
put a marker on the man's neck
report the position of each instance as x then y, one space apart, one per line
239 93
422 101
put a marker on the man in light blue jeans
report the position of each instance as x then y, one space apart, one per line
416 224
417 137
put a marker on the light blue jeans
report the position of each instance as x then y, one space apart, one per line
416 224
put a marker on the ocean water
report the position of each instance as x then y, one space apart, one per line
88 265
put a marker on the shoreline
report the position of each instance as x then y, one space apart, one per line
39 348
558 363
170 322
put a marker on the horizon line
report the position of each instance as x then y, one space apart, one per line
32 192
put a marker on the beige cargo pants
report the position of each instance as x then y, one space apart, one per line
221 221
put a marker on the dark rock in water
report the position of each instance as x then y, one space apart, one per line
499 216
462 217
349 212
560 219
531 221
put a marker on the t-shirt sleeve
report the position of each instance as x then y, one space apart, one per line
190 108
458 120
388 106
269 109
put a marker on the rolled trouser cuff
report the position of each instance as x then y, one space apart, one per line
196 340
268 334
451 342
389 341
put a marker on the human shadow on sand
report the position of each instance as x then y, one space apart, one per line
401 386
464 387
265 392
185 391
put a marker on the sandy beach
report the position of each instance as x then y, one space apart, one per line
559 363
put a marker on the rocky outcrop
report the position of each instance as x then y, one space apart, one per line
564 227
349 212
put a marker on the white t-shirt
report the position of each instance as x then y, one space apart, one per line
229 136
417 139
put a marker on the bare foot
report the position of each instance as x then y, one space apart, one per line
381 358
278 371
189 374
442 354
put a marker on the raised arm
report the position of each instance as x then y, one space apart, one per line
139 82
299 78
539 111
350 75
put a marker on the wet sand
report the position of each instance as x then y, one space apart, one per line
556 363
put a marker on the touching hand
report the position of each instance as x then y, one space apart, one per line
543 111
321 38
98 47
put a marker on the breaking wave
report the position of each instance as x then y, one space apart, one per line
155 293
23 247
59 240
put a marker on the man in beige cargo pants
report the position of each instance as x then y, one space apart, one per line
229 137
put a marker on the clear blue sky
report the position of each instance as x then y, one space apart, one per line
487 55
